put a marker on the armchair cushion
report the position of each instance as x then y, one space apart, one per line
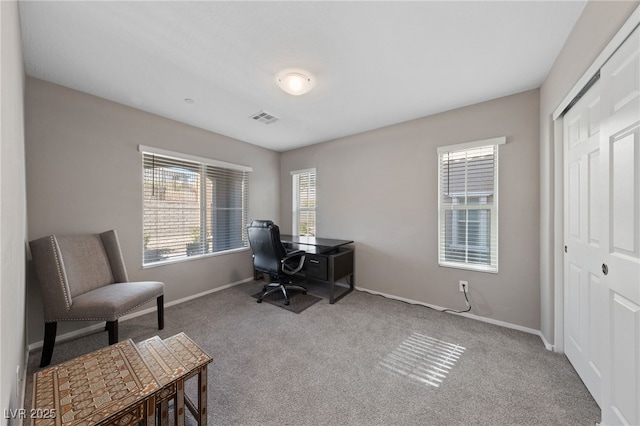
110 302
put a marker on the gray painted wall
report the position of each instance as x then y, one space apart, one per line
379 188
84 174
597 25
13 227
82 159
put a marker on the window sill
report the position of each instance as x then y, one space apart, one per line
190 258
469 267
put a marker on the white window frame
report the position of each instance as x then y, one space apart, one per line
202 163
296 208
492 267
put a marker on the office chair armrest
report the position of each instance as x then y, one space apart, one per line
292 255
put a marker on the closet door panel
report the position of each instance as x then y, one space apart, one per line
620 187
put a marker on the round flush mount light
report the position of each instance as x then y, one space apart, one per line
295 81
189 101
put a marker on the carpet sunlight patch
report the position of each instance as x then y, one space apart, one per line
423 358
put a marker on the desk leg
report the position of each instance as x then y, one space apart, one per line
202 395
332 286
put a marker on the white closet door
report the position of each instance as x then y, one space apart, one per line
585 295
620 215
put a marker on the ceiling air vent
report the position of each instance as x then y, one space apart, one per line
264 117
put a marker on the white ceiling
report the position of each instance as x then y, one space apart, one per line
376 63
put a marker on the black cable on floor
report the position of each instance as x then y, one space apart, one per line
426 306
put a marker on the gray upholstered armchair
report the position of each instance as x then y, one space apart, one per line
83 278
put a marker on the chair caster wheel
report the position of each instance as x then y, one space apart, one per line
286 302
259 301
304 292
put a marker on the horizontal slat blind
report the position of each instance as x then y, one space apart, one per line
191 208
227 190
304 187
468 234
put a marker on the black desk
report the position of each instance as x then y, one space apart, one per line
313 244
327 260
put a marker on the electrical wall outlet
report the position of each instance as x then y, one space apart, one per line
464 286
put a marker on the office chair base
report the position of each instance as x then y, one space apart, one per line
270 288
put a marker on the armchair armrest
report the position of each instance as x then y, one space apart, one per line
292 255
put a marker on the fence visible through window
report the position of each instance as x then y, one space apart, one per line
191 208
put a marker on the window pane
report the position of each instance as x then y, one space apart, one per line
467 177
468 236
307 223
468 184
171 209
304 203
228 215
182 218
454 236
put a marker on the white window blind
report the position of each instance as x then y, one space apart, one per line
468 205
192 207
304 202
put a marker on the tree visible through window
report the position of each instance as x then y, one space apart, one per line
304 202
468 205
192 206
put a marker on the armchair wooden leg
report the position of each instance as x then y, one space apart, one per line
112 328
49 340
160 302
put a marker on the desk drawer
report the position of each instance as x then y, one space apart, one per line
317 267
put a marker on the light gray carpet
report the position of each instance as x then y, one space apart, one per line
365 360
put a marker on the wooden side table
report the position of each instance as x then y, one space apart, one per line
173 361
111 386
123 384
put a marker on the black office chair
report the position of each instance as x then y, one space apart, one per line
270 257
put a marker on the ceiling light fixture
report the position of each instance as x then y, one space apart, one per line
295 82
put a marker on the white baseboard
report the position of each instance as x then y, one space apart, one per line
96 327
547 345
194 296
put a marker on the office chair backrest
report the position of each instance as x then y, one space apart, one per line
268 251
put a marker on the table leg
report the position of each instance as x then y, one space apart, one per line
175 410
164 413
150 408
202 395
180 402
